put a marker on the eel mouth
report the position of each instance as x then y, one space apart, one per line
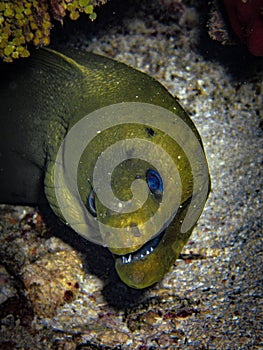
147 249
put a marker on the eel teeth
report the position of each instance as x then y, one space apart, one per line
144 251
126 260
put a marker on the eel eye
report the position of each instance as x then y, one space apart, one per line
91 203
154 182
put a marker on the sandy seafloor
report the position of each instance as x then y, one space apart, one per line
212 297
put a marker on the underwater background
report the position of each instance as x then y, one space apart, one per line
61 292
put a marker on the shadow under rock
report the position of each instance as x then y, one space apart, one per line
236 58
239 63
110 15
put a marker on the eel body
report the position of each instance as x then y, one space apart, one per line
114 153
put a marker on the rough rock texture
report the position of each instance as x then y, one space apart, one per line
212 298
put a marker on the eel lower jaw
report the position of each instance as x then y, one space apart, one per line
140 254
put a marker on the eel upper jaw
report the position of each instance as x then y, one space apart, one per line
140 254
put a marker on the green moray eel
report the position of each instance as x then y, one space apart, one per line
115 155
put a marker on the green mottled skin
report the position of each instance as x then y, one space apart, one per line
41 99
